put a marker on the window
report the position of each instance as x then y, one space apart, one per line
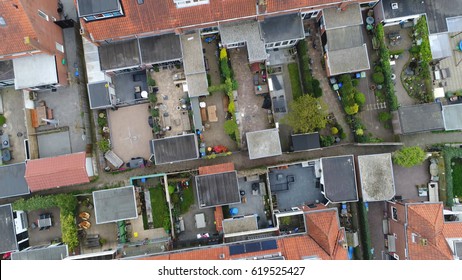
2 21
43 15
394 213
277 44
59 47
292 42
189 3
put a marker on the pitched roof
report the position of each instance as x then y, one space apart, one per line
7 232
162 15
17 27
60 171
323 228
427 221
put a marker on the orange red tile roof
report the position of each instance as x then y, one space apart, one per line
154 17
17 27
427 221
218 168
60 171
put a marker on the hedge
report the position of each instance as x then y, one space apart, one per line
365 233
310 85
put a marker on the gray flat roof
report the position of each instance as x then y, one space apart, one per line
13 182
245 31
175 148
263 143
437 11
98 94
421 118
452 115
7 232
197 84
240 224
282 28
119 55
193 56
307 141
34 70
162 48
6 70
335 18
92 7
346 50
217 189
440 45
114 205
376 177
50 253
339 179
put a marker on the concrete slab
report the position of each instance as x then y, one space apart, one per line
13 107
406 180
130 131
54 144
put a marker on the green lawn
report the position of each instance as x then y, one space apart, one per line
159 206
188 199
295 80
457 177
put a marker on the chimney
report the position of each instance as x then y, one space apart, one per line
342 6
36 45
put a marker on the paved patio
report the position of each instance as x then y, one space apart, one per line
406 180
172 99
13 110
41 237
453 64
130 131
255 202
251 116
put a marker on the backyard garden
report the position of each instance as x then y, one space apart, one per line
160 211
416 76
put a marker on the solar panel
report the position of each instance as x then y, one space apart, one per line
252 247
269 245
236 249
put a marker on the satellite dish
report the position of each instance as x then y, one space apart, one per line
144 94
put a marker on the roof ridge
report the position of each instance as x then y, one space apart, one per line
56 171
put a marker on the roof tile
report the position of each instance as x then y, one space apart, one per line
60 171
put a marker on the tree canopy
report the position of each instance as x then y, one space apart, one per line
409 156
306 114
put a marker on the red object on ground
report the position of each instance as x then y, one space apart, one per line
220 149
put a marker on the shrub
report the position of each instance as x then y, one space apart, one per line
317 91
304 62
153 98
378 78
359 132
171 189
2 120
151 82
384 116
327 141
409 156
334 130
155 113
343 135
360 98
104 145
351 110
231 107
355 82
230 127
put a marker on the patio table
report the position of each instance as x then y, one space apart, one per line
212 113
44 221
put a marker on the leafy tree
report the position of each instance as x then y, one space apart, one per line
230 127
351 110
360 98
306 114
384 116
409 156
378 78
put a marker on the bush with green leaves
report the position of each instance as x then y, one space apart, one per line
409 156
327 141
104 145
384 116
334 130
378 78
230 127
2 120
351 110
360 98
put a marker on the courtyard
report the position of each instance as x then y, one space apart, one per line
130 131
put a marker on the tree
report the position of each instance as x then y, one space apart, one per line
351 110
378 78
360 98
409 156
306 114
230 127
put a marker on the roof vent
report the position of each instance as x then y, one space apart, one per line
424 241
394 6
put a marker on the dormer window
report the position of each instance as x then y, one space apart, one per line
91 10
189 3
